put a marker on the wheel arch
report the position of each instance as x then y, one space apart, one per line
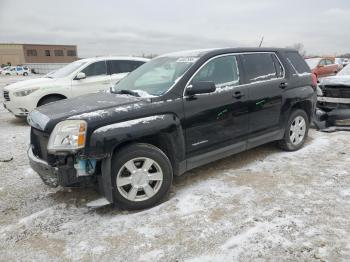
50 95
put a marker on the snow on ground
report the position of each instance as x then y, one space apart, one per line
263 204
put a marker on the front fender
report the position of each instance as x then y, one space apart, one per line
105 139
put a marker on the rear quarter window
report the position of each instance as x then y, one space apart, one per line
297 63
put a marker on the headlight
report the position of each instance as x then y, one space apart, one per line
25 92
68 135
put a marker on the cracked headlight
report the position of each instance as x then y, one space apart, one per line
25 92
68 135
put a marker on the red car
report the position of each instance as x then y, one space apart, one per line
323 66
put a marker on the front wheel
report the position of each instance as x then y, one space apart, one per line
141 176
296 131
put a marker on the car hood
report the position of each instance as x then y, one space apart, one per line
336 80
97 109
37 82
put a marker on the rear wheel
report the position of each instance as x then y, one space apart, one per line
141 176
49 99
296 131
25 74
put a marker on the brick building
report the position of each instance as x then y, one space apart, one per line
35 54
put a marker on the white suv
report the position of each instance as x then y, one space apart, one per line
80 77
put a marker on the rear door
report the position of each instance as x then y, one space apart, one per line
96 79
265 78
219 119
120 68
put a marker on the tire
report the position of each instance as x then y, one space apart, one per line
300 120
49 99
132 195
25 74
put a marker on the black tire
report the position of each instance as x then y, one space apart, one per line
286 143
140 150
49 99
25 74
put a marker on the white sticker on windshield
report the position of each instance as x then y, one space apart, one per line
187 59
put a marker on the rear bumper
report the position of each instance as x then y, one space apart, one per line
47 173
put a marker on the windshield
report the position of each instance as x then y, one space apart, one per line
312 62
345 71
155 77
66 70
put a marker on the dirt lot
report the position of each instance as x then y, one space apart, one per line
260 205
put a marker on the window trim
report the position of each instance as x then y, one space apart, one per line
237 54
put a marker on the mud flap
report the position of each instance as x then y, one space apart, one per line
105 181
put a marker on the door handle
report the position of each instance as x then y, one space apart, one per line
238 95
283 85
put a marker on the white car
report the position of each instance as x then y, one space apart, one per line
16 70
81 77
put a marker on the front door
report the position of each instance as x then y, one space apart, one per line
96 79
219 119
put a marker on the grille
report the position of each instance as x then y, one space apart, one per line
336 91
6 95
39 141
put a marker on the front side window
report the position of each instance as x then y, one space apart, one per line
95 69
223 71
123 66
259 67
157 76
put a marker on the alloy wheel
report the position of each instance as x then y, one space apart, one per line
297 130
139 179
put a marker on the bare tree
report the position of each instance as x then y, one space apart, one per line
299 47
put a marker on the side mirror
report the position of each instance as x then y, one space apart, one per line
80 76
202 87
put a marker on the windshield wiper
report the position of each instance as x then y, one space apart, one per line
126 92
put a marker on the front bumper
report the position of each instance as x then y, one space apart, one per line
65 175
21 112
47 173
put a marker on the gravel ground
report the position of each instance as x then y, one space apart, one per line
259 205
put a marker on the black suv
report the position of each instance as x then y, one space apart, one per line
176 112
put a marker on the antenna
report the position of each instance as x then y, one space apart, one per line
261 42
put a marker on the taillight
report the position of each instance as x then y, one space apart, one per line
314 80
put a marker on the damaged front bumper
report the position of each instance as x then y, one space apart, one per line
47 173
65 176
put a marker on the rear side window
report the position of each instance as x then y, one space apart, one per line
95 69
223 71
261 67
297 62
123 66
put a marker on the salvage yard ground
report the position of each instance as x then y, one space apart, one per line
263 204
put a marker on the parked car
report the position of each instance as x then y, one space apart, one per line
322 67
16 70
342 62
177 112
3 68
334 100
80 77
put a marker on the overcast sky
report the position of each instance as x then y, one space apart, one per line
158 26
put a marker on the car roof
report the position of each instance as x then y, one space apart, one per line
101 58
218 51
